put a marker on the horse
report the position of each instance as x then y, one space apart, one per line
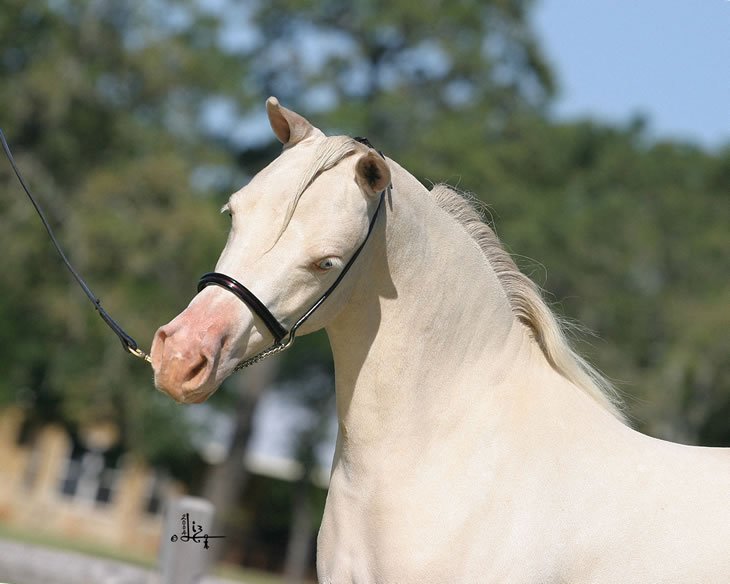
474 444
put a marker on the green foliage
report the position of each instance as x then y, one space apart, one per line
104 105
388 67
100 133
631 237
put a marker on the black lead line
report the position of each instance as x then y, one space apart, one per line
128 342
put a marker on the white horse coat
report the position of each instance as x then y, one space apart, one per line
473 446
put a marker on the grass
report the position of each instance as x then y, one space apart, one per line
75 545
231 572
148 562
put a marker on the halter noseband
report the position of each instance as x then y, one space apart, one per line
283 339
248 297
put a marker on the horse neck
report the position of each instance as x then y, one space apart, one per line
427 314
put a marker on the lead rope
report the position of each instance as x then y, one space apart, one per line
128 342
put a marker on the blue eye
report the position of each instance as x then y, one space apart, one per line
326 264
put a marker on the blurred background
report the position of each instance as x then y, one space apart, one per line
598 134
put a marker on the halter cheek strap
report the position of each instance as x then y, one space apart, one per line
283 339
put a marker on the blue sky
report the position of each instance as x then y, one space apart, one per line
667 59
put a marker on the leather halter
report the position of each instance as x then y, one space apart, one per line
248 297
283 339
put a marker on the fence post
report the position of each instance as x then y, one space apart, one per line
186 539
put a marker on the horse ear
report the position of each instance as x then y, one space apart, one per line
289 127
373 171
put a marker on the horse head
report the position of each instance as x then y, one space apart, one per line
294 231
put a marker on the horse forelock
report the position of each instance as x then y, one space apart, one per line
328 153
526 300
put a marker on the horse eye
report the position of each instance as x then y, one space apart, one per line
326 264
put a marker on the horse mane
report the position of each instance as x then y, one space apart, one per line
523 294
527 302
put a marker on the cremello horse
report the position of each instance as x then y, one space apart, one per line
474 446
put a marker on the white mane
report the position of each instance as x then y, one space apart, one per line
527 302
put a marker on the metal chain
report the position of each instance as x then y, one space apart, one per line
273 350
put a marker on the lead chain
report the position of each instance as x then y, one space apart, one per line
262 355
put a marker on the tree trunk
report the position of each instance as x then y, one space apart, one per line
302 529
300 533
225 481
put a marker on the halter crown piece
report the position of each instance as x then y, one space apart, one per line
284 339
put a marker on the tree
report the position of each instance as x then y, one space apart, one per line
102 118
390 68
629 237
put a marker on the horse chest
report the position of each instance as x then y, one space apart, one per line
432 532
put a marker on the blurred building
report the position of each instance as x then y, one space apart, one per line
84 487
80 487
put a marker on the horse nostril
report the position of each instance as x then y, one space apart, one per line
185 354
158 348
199 368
